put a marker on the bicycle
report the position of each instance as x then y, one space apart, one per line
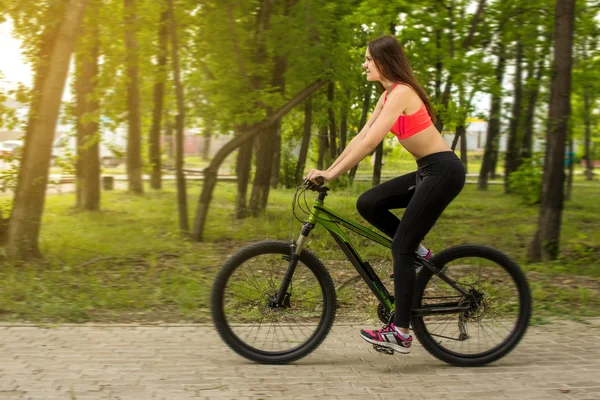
299 293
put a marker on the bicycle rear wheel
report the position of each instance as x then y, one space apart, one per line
243 306
498 300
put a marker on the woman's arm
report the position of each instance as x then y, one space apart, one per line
358 138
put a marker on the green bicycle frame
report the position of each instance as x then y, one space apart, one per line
332 221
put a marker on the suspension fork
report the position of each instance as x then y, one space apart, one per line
296 249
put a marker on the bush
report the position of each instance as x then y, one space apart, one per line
289 162
341 182
526 181
8 177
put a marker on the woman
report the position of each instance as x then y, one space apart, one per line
404 109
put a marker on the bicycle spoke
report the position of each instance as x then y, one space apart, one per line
494 315
265 326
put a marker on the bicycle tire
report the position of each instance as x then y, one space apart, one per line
244 349
524 314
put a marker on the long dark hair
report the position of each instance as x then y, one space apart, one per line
393 65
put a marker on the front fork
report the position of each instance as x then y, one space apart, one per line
296 249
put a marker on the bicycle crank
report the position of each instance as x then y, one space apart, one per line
384 314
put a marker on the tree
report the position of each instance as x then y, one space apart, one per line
305 140
159 95
54 53
268 144
586 80
363 120
134 155
545 244
88 134
210 172
181 187
514 133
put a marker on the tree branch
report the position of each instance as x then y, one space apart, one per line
260 127
238 51
474 23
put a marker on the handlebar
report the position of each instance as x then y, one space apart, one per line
308 184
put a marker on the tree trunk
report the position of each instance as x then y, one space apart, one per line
570 177
439 124
463 147
305 140
589 172
322 147
243 166
267 143
457 134
207 135
169 140
587 120
528 129
344 123
363 121
264 164
377 163
210 172
332 128
466 45
56 47
157 110
439 65
3 228
275 169
533 89
512 147
134 140
493 128
495 158
181 186
545 245
88 136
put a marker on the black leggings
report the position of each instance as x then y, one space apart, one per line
439 179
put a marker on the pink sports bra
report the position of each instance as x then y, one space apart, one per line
409 125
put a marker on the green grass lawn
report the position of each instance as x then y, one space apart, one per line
128 262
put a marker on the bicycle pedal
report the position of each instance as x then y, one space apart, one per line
384 350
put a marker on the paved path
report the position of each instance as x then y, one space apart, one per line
558 361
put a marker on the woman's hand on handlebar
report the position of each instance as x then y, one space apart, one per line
315 173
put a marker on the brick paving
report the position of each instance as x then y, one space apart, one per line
556 361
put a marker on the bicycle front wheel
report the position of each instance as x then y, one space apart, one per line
497 306
246 316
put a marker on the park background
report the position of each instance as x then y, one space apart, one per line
212 111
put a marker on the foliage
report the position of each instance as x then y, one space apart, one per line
228 57
526 181
10 170
289 161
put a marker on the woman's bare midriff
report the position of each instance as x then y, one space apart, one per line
424 143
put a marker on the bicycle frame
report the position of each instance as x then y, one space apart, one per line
332 221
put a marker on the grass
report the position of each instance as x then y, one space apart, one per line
128 262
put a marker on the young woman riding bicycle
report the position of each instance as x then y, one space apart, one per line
404 109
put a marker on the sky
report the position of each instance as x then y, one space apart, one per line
12 64
13 67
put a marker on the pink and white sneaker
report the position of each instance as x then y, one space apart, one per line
388 338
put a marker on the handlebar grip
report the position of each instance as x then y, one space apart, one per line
320 180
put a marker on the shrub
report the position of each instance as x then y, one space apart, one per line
526 181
